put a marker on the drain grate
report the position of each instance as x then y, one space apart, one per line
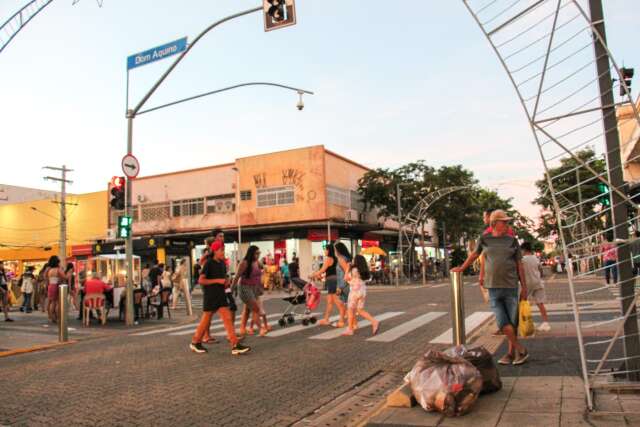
355 406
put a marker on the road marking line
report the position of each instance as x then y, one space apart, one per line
163 330
292 329
271 323
471 323
440 285
338 331
215 325
405 328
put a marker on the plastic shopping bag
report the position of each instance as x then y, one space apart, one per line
526 327
446 384
12 298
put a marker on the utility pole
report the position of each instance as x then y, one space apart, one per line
63 208
619 209
400 251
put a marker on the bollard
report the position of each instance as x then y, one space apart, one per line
457 308
187 299
63 305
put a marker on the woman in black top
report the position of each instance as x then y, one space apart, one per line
331 284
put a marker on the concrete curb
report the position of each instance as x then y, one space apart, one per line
35 348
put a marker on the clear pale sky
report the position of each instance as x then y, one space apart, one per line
395 82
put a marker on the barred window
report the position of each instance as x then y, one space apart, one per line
188 207
245 195
275 196
338 196
154 211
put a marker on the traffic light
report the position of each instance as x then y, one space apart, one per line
278 13
604 198
117 192
124 227
626 75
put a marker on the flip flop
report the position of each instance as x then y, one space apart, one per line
323 322
375 329
338 325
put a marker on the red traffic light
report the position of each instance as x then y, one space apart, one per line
118 182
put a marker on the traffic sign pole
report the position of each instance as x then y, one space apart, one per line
129 239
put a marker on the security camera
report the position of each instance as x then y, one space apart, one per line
300 105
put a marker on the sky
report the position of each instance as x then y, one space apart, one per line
392 85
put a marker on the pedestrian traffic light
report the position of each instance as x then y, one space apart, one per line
117 192
626 74
604 199
278 13
124 226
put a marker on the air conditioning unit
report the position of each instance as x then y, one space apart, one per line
142 198
111 234
351 215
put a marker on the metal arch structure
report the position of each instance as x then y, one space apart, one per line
550 49
19 20
417 216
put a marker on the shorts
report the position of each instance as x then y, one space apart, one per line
247 293
537 296
504 304
331 284
52 292
213 298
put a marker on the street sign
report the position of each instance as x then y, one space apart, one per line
157 53
278 14
130 166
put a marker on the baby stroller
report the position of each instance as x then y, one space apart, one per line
308 295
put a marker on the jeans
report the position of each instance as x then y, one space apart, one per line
504 304
610 268
26 302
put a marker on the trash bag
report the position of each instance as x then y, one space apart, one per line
446 384
526 328
483 361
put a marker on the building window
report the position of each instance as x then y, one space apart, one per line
224 203
154 212
275 196
338 196
188 207
245 195
356 201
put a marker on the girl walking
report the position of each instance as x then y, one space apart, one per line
55 276
356 277
331 284
27 285
249 280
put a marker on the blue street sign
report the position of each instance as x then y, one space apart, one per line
157 53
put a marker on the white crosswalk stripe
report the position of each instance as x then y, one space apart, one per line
163 330
471 323
217 324
335 333
403 329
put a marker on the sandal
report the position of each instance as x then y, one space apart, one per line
323 322
338 325
347 333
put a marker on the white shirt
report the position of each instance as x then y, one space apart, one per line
532 272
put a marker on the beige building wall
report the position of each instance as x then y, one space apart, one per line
343 174
301 168
629 131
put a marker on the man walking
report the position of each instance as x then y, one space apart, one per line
213 280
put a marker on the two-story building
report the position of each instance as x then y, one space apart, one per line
287 203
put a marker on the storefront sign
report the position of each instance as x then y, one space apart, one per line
370 244
81 250
320 235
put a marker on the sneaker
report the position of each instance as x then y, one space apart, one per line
521 357
507 359
197 348
240 349
544 327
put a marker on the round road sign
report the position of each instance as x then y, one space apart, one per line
130 166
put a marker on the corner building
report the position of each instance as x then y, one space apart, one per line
289 203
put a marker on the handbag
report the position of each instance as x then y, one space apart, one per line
526 328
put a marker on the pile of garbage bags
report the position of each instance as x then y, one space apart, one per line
450 382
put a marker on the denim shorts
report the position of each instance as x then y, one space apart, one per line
331 284
504 303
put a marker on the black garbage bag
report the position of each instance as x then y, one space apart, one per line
483 361
443 383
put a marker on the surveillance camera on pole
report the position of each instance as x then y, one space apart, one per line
300 105
278 14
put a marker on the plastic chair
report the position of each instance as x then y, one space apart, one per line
94 302
163 301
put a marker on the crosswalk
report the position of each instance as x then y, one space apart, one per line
395 325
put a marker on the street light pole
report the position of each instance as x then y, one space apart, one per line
239 253
400 252
62 245
132 113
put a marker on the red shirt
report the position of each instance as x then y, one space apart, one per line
95 286
489 230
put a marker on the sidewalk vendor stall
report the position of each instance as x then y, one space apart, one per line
112 270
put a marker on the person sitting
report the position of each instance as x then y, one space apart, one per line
95 286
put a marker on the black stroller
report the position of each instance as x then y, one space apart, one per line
307 296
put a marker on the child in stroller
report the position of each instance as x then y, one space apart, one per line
308 295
